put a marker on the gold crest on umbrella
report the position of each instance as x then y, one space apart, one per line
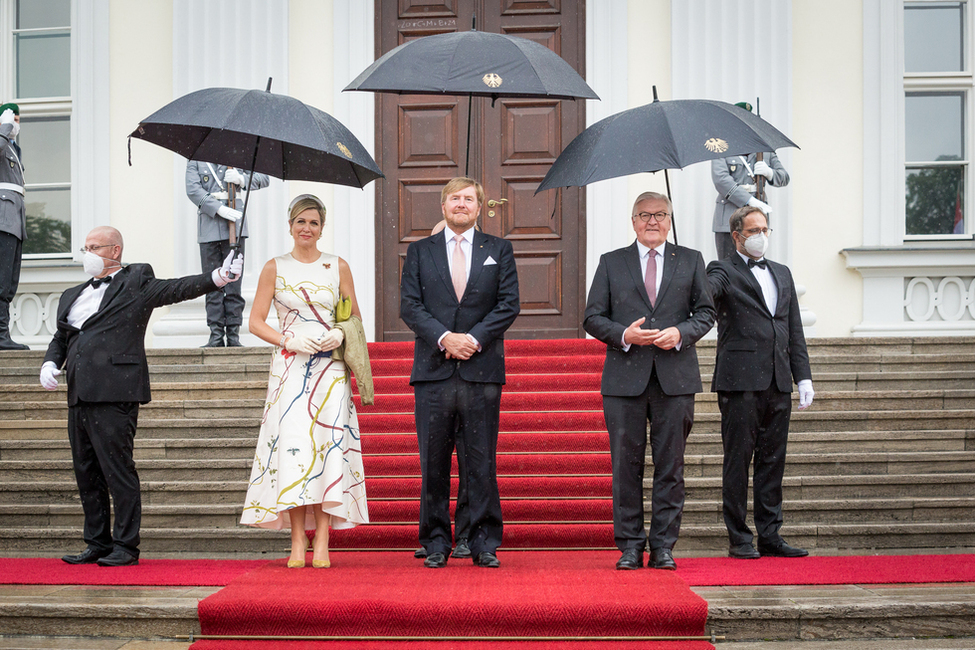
716 145
492 80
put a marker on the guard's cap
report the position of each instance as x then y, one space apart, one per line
747 106
11 106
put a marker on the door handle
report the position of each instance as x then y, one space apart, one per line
492 203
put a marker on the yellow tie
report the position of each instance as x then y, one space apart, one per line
458 272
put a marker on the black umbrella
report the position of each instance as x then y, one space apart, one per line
473 63
260 131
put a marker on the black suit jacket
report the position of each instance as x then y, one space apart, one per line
755 345
429 306
105 361
618 297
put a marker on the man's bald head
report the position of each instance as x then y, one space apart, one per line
106 243
108 234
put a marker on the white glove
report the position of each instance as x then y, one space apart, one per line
7 117
299 343
805 393
762 168
229 272
14 132
234 176
229 213
748 188
220 196
332 339
49 372
761 205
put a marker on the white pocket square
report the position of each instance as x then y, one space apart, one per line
489 261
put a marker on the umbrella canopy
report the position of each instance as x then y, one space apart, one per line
660 136
474 63
260 131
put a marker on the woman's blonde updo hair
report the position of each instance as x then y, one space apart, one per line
305 202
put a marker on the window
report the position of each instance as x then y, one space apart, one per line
938 100
37 76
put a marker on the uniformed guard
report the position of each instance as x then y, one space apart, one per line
209 187
13 219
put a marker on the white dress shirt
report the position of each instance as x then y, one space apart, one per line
644 260
88 302
467 245
765 280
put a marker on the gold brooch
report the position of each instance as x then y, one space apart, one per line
716 145
327 266
344 149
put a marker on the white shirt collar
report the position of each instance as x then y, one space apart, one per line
467 234
646 249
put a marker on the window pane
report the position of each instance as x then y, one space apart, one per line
43 64
935 201
48 221
934 37
935 126
45 144
43 13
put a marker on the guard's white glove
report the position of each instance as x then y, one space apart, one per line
229 213
761 168
761 205
220 196
748 188
7 117
805 393
49 373
234 176
229 272
303 344
332 339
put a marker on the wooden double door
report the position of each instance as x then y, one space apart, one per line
422 144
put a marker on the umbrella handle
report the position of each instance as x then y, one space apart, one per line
760 180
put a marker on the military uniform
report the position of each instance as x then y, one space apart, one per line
728 175
13 230
225 307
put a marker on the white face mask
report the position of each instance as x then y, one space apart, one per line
756 245
94 264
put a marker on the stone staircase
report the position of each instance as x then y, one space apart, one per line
884 461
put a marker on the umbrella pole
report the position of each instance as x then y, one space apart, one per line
247 199
673 221
467 165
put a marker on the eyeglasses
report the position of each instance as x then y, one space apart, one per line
755 231
92 249
657 216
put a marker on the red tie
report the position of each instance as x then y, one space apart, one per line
458 273
650 279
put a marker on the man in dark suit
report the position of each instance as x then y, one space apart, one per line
459 294
761 350
100 341
649 304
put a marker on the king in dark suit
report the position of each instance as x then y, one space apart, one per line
761 350
100 342
649 304
459 294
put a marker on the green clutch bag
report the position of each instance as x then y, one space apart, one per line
343 310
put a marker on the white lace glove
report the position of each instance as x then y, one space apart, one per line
234 176
761 168
332 339
299 343
805 393
220 196
761 205
49 373
230 271
229 213
748 188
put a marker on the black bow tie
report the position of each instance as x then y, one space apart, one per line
760 263
99 282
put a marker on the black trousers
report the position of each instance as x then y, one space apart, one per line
754 426
11 249
447 411
102 436
671 418
225 306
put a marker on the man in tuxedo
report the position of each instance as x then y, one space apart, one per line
459 294
761 350
100 342
649 304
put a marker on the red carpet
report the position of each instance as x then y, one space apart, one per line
388 595
176 573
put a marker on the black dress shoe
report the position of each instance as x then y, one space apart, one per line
781 549
662 558
631 559
87 556
118 557
462 549
743 552
488 560
420 553
435 561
